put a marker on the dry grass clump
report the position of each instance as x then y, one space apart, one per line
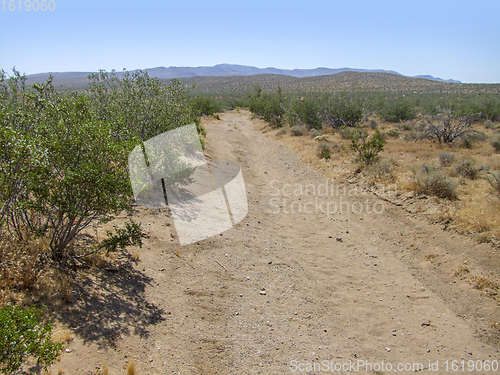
495 142
20 265
297 131
131 369
446 159
482 282
493 179
62 335
281 132
468 169
435 183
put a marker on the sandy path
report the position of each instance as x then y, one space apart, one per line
357 286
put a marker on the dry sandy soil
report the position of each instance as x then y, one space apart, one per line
279 291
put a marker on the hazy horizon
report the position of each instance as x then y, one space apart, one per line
441 39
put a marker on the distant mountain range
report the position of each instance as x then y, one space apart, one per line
222 70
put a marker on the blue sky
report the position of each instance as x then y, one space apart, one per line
447 39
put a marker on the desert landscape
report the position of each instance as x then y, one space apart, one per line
370 244
381 285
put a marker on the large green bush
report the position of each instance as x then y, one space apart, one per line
342 109
397 110
269 106
308 111
206 106
64 158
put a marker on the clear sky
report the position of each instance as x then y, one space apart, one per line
448 39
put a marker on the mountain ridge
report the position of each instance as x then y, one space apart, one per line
221 70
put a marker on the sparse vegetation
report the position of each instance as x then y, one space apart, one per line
315 133
394 133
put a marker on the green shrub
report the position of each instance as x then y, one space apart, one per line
315 133
495 142
324 150
373 124
446 159
381 168
297 131
281 132
23 334
394 133
367 149
434 183
346 132
468 169
66 155
406 126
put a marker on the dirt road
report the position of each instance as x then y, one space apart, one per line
317 274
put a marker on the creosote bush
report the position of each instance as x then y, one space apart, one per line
367 149
64 156
23 334
397 110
